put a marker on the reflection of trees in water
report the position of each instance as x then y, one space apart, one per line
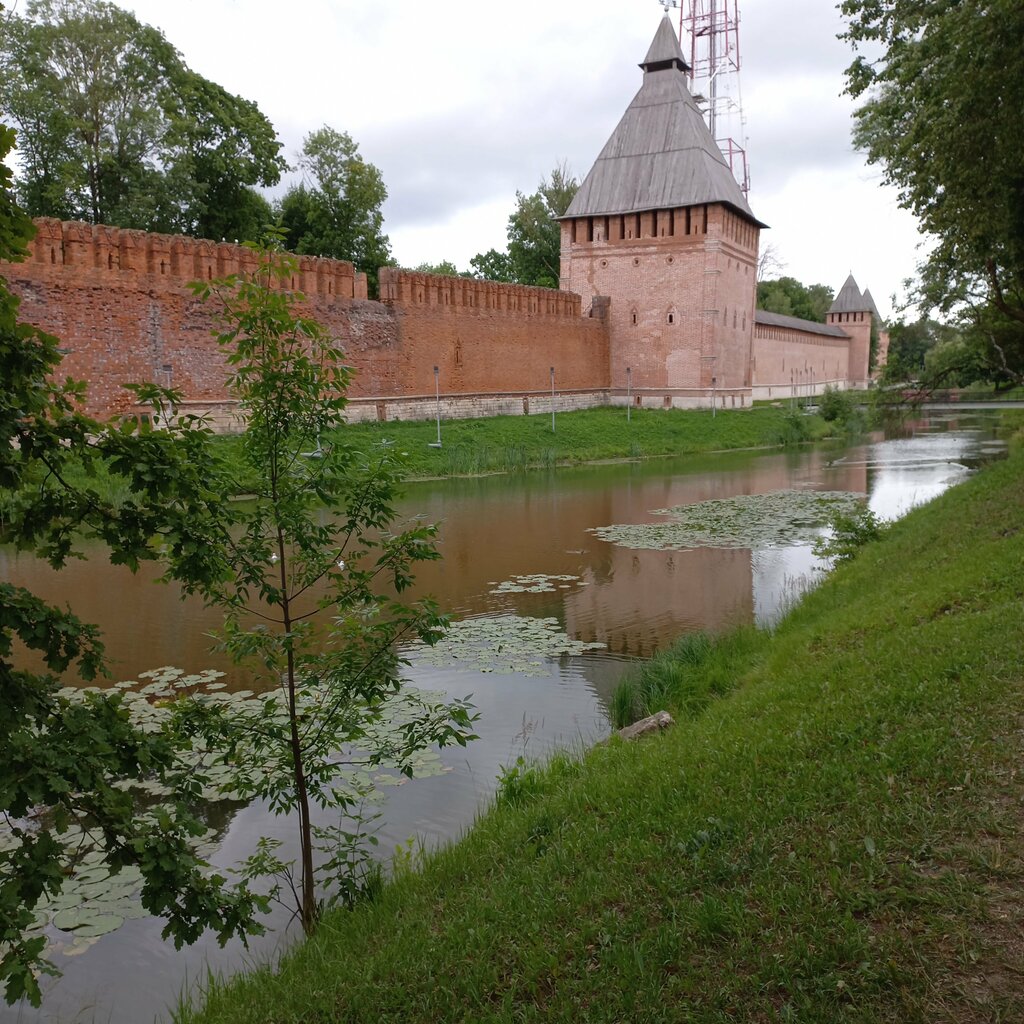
217 815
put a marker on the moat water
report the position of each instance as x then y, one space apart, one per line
493 529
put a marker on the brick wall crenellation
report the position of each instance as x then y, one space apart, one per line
119 303
412 288
99 251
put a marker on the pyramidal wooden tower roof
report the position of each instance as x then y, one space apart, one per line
850 300
661 155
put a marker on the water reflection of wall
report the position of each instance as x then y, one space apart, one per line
648 598
491 529
144 624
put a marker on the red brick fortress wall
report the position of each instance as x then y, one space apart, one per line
789 362
119 302
487 338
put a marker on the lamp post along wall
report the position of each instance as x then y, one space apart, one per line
552 399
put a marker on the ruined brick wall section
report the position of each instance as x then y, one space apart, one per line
683 286
789 362
487 337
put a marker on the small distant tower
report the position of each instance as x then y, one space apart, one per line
713 30
854 313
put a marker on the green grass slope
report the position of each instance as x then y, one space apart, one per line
501 444
835 835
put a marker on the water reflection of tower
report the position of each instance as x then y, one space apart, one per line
712 28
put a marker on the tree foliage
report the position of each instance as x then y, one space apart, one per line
909 345
445 269
114 128
311 598
323 590
786 295
493 266
64 761
941 115
336 210
534 235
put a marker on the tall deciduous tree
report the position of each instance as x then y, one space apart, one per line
113 127
534 235
941 115
336 211
788 296
445 269
492 266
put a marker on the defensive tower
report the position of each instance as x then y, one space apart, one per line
661 225
855 313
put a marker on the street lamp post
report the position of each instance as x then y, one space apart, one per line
552 399
714 396
437 406
629 393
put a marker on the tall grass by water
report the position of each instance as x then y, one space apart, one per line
831 832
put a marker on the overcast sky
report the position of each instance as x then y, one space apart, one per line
462 102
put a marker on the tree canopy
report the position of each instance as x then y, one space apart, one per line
336 210
113 127
445 269
786 295
942 116
534 235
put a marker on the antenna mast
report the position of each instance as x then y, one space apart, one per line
714 30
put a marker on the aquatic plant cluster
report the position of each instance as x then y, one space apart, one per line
96 899
537 583
504 643
775 519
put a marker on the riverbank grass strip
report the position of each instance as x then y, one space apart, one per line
506 444
837 839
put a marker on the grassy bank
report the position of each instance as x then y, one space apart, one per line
503 444
830 833
508 444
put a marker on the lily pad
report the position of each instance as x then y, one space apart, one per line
508 644
755 521
536 583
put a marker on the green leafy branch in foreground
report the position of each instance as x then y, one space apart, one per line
62 759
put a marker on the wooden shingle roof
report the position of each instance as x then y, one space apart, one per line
849 299
661 155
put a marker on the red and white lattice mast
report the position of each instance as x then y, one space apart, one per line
713 30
